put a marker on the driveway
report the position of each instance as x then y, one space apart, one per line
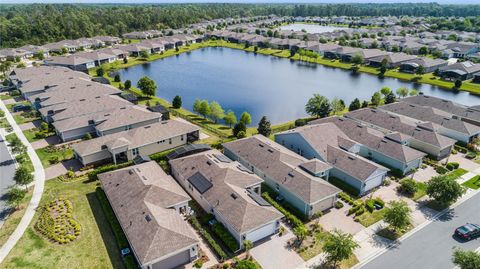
425 174
338 219
30 125
62 168
274 253
464 162
51 140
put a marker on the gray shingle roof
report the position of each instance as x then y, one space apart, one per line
142 197
283 166
228 181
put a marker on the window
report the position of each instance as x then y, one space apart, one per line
135 151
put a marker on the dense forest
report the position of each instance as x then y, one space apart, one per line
38 23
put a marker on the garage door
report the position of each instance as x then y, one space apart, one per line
262 232
373 183
174 261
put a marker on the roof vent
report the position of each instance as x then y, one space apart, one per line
291 174
130 172
123 107
81 100
260 145
234 195
144 178
351 158
97 97
148 218
148 126
209 163
104 147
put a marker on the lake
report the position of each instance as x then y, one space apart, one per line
310 28
262 84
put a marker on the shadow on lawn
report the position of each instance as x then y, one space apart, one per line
105 230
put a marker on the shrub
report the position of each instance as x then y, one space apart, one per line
408 186
370 205
471 155
225 236
460 149
379 202
452 166
360 211
241 134
300 122
338 205
441 170
208 238
198 263
292 219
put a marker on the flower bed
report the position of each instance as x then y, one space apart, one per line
56 222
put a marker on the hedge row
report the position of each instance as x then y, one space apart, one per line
225 236
292 219
209 238
106 168
452 166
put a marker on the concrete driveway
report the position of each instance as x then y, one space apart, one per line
30 125
275 254
464 162
51 140
338 219
425 174
62 168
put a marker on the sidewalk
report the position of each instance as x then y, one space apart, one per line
39 179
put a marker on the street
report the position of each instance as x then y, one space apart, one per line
7 170
431 247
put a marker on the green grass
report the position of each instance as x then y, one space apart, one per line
14 218
473 183
421 191
30 135
5 96
46 157
367 218
95 248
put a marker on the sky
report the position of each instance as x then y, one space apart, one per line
243 1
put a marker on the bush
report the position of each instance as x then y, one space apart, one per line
408 186
370 205
338 205
360 211
471 155
460 149
225 236
441 170
380 202
198 263
106 168
452 166
241 134
292 219
208 238
300 122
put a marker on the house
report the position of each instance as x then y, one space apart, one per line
404 131
98 57
117 51
105 122
36 50
81 107
328 143
322 48
73 62
108 40
457 110
301 182
34 80
137 35
69 91
143 141
436 120
393 60
366 54
230 192
374 146
429 65
134 49
149 205
459 71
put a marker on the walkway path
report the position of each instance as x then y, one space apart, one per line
7 171
39 179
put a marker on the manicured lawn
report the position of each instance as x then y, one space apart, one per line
95 248
30 135
14 218
457 173
5 96
367 218
421 191
47 158
473 183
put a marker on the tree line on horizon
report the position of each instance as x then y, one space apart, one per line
42 23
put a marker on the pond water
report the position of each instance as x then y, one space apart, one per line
264 85
310 28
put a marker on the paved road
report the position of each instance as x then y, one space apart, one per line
7 170
431 247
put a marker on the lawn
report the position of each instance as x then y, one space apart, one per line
473 183
31 135
95 248
50 158
457 173
14 218
392 234
367 218
5 96
421 191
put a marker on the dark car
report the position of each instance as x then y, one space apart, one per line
21 107
468 231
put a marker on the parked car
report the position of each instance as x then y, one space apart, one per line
21 107
468 231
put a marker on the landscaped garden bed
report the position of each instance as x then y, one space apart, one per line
51 155
56 222
393 234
